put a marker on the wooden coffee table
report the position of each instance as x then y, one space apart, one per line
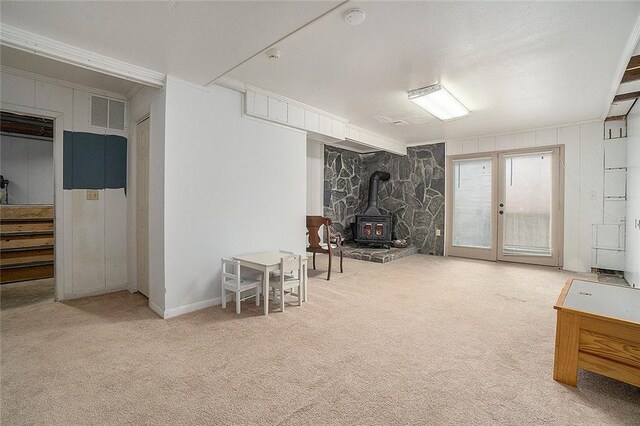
598 329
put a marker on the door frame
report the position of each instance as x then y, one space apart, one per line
144 117
59 264
498 194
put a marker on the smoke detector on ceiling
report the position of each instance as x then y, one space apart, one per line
273 54
354 16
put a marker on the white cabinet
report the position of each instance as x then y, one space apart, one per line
256 104
295 116
277 110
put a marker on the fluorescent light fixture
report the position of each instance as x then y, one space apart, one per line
438 102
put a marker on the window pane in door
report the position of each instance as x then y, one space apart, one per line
527 204
472 203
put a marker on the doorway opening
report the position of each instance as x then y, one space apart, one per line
26 210
506 206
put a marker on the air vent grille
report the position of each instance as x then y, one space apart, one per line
107 113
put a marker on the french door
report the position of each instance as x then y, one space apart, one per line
506 206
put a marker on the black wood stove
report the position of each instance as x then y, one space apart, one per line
373 227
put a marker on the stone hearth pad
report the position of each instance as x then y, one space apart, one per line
378 255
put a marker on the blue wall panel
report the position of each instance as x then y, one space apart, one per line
88 162
92 161
116 162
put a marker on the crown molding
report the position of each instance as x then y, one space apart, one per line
231 83
33 43
64 83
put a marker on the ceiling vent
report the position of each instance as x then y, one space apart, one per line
417 119
400 123
107 113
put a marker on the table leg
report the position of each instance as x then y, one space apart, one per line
265 289
565 365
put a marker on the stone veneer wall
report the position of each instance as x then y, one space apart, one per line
414 195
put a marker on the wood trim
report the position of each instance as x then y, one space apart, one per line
634 62
29 212
26 125
34 272
563 293
631 75
626 96
615 118
609 346
610 368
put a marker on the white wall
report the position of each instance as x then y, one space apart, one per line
632 259
94 248
151 102
28 165
583 165
233 185
315 177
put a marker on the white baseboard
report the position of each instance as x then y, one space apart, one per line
99 292
185 309
157 309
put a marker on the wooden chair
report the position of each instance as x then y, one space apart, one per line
290 278
233 282
333 240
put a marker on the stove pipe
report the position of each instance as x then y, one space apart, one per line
372 207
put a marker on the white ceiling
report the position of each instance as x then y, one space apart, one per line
517 65
24 61
196 41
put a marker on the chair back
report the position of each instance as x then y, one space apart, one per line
292 265
230 272
314 223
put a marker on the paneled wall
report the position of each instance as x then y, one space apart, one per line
632 261
91 234
28 165
583 178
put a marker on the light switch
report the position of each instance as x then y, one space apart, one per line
438 233
92 195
